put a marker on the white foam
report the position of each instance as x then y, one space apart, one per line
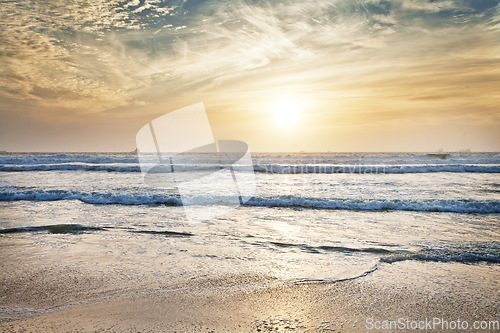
376 168
455 206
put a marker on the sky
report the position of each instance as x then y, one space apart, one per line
338 75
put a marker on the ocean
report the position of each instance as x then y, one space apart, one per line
314 217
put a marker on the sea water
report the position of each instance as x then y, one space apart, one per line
324 217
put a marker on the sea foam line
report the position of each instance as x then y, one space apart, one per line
376 168
271 168
454 206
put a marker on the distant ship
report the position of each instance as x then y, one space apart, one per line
439 155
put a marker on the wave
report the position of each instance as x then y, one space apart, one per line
91 198
53 229
269 168
65 158
269 158
329 248
70 167
474 253
461 253
453 206
163 233
78 229
266 163
376 168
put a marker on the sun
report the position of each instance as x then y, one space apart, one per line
286 111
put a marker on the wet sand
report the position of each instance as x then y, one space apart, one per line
410 289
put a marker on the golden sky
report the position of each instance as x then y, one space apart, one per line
339 75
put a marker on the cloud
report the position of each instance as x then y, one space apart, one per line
69 53
428 6
92 56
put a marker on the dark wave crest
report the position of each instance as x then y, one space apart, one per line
454 206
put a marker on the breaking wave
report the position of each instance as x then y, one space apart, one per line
269 168
455 206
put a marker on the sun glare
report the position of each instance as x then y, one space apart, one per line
286 111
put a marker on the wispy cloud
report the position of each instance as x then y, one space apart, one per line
70 53
96 56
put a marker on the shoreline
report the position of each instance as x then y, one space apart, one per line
411 289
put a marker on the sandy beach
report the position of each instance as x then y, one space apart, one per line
411 291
